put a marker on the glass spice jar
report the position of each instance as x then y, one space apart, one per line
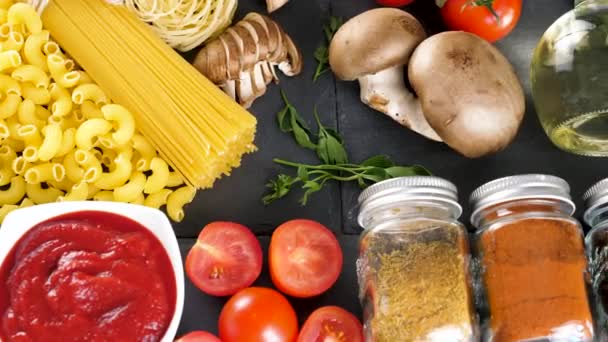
596 216
532 265
413 265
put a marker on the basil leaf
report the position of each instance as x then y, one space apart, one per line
381 161
301 135
302 174
284 120
402 171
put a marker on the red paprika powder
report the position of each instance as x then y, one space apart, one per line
533 264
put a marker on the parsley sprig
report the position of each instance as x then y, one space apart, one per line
329 147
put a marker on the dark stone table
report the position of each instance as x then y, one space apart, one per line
366 133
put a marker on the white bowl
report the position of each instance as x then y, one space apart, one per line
20 221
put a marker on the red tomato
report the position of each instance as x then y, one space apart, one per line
394 3
258 314
198 336
477 18
226 258
305 258
331 323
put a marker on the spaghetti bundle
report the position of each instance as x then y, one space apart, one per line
197 128
185 24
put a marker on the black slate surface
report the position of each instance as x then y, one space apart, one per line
366 133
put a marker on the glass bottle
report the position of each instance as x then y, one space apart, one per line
413 265
569 78
596 216
532 268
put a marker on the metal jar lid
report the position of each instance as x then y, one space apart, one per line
517 188
595 197
408 189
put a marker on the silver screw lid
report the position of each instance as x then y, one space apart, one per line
520 187
596 196
409 188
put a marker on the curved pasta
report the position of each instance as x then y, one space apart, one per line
32 49
62 104
9 59
19 165
27 114
177 200
157 199
120 174
38 95
6 209
90 92
30 135
79 192
14 193
6 175
132 189
59 72
175 179
92 166
90 110
31 74
51 143
68 141
104 196
45 172
159 177
8 85
13 42
124 121
72 170
5 132
39 195
90 129
21 13
140 199
9 105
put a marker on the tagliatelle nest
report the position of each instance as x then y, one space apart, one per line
185 24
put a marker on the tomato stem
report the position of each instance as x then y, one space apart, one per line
485 3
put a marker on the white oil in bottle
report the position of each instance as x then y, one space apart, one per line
569 77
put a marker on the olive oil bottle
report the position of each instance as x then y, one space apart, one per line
569 78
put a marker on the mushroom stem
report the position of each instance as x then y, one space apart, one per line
385 91
273 5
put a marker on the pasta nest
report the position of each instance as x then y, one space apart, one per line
185 24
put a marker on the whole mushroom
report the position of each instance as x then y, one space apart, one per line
374 47
469 92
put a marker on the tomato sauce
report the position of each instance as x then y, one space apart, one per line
86 276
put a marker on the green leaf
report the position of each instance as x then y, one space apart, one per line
322 52
302 174
381 161
301 135
440 3
329 147
279 188
284 120
403 171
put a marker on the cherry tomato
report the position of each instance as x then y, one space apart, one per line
477 18
198 336
394 3
331 323
305 258
258 314
226 258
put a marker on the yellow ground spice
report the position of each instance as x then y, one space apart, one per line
421 291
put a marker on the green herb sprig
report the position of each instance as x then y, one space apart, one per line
322 52
314 177
330 150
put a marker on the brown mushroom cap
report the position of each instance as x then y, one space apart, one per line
372 41
469 92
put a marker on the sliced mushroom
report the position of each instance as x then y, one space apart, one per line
469 92
373 48
242 60
273 5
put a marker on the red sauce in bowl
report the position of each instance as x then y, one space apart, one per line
86 276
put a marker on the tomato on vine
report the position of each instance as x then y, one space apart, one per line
492 20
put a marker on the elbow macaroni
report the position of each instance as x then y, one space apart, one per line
61 138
